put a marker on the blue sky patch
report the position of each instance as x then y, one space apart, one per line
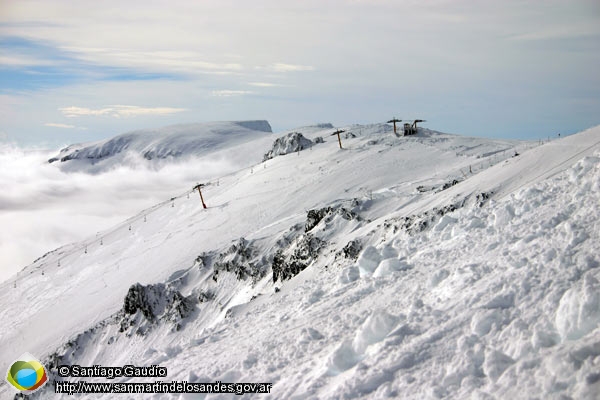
35 65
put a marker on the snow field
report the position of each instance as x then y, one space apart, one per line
496 296
474 319
498 301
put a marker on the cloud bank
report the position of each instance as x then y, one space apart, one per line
118 111
230 93
42 207
282 67
58 125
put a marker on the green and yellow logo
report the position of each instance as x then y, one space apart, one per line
27 374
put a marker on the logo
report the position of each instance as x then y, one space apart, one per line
27 374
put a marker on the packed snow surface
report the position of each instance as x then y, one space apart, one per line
431 266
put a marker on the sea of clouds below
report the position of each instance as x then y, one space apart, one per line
43 207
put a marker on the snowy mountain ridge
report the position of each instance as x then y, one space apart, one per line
171 142
421 267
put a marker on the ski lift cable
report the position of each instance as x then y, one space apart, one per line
128 223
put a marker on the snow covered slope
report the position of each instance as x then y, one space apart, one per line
419 267
177 141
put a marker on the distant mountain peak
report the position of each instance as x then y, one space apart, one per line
174 141
256 125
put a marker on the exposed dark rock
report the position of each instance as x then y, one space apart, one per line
139 298
417 223
206 296
448 185
315 216
304 253
71 156
352 249
482 198
278 265
155 302
153 154
178 308
203 260
241 259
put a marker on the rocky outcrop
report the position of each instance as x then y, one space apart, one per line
154 303
290 263
314 217
239 259
290 143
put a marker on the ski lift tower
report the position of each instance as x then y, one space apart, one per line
197 187
411 129
394 122
338 135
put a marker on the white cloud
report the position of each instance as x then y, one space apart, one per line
20 60
281 67
55 125
46 207
118 111
230 93
79 111
562 32
129 111
264 84
188 62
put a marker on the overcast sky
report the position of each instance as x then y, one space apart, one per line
73 71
